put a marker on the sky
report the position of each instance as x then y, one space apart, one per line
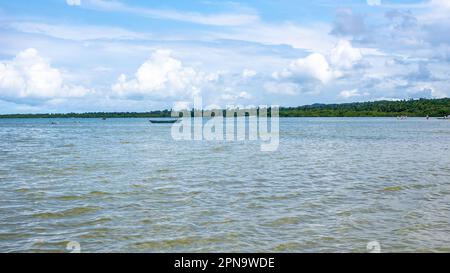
121 55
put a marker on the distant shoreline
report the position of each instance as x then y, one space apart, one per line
410 108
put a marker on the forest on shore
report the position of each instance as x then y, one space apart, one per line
412 108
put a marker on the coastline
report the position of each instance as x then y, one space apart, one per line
434 108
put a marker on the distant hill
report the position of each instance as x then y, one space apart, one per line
413 108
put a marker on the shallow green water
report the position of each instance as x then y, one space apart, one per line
335 184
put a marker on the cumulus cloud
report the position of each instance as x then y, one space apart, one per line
163 76
344 56
29 75
248 73
314 66
317 67
73 2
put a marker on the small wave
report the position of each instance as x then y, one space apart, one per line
69 145
67 213
69 197
163 170
147 221
97 221
180 242
166 243
393 188
42 246
96 233
13 236
285 221
98 193
23 190
220 149
291 246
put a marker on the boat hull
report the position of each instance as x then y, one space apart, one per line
163 121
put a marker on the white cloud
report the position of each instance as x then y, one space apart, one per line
77 33
221 19
435 12
99 54
387 99
344 56
313 73
248 73
29 75
242 24
314 37
346 94
374 2
314 66
73 2
163 76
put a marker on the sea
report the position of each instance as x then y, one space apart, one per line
125 185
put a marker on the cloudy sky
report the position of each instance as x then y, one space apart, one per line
123 55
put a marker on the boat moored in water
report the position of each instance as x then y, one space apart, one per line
163 120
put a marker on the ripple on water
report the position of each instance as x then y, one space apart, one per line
97 221
184 242
95 233
44 246
220 149
392 189
69 197
99 193
288 247
67 213
149 193
163 244
163 170
284 221
81 196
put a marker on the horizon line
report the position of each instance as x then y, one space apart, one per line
191 109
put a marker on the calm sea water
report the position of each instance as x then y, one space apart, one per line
335 184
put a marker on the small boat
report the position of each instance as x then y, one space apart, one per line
163 121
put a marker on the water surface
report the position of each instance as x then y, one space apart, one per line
118 185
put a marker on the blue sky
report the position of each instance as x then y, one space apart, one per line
122 55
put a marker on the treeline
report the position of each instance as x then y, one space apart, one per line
152 114
413 108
